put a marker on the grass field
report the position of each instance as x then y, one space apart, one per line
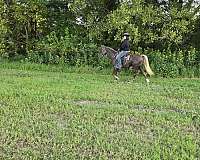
71 115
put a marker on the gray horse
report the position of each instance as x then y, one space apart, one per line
133 62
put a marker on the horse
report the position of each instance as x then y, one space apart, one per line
137 63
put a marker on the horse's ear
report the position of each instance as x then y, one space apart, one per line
102 47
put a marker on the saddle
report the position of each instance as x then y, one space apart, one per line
125 60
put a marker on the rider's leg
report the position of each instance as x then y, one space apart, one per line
118 62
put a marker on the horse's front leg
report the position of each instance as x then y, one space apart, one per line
115 74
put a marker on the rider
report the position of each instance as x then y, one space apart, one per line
123 51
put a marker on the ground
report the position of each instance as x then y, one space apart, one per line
66 115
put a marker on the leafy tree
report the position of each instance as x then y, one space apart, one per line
3 28
24 23
38 28
155 26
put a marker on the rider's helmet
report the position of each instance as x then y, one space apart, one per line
126 34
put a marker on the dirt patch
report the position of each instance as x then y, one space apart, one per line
22 143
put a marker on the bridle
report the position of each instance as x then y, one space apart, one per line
103 50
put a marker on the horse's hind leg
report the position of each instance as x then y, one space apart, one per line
145 74
135 73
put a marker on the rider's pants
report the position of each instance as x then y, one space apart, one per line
119 58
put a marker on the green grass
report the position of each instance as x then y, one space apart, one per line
49 113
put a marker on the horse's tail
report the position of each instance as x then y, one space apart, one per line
146 65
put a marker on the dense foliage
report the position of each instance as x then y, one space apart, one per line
71 32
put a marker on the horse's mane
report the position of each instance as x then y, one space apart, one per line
109 48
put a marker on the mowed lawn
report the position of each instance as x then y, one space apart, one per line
57 115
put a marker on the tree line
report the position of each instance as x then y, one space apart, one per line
71 31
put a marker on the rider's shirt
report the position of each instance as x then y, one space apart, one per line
125 46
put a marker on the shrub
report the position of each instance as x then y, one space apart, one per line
173 64
67 49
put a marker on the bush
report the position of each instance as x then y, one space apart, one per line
79 51
67 49
168 64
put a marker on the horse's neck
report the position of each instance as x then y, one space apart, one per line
111 54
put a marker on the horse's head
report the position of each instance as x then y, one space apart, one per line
103 50
108 52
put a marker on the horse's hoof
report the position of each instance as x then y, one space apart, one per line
147 80
117 78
